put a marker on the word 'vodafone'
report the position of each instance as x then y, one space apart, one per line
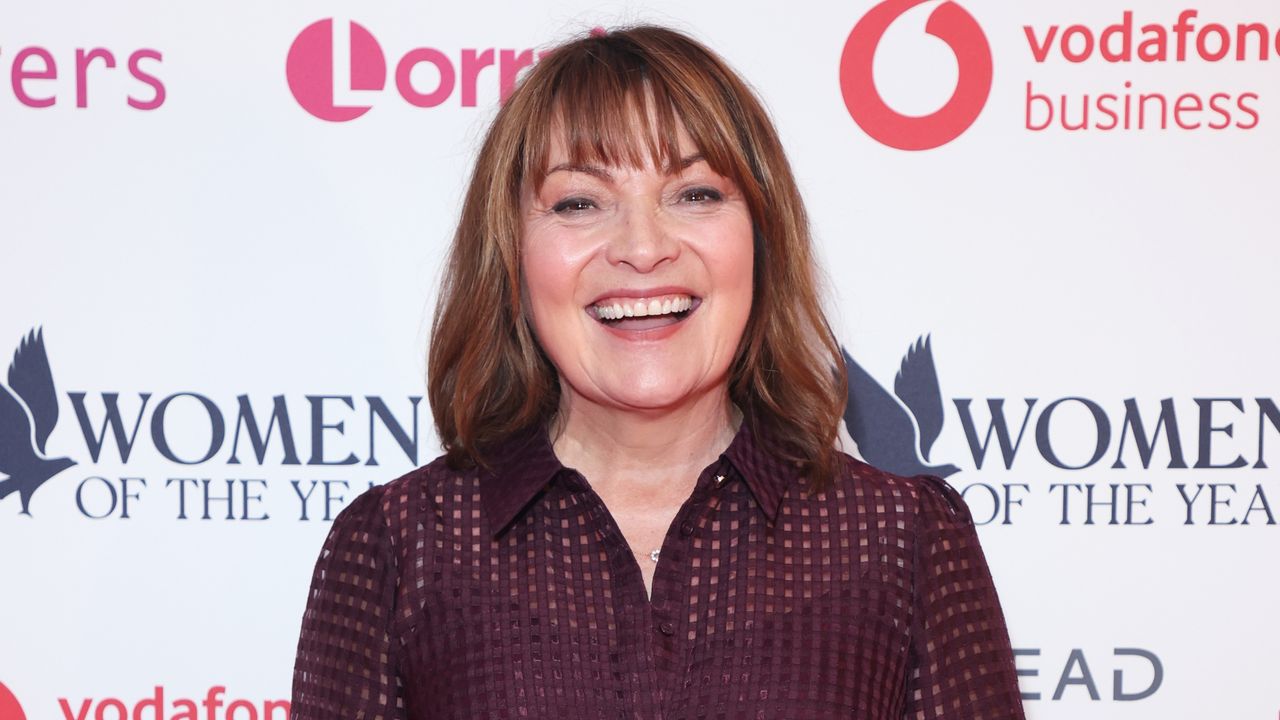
1115 43
210 707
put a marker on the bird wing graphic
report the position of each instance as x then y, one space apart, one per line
15 433
878 423
917 386
31 380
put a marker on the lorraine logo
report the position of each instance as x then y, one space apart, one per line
949 23
896 433
336 70
28 413
318 60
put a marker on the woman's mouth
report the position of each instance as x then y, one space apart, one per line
644 313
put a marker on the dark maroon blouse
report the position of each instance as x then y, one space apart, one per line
512 594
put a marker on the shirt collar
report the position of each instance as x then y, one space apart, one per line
525 463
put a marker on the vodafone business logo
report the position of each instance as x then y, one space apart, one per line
949 23
1144 72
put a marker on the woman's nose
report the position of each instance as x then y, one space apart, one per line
642 239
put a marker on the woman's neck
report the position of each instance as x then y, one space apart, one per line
645 451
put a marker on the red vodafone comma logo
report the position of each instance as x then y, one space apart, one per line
310 68
949 23
10 709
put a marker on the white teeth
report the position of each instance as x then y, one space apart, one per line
642 308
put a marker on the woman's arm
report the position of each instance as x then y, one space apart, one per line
961 663
346 667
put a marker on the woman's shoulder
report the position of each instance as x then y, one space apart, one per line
924 494
392 501
431 477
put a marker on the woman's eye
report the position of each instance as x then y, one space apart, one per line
702 195
572 205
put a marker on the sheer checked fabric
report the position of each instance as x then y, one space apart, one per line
513 594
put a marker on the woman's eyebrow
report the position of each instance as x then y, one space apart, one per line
603 174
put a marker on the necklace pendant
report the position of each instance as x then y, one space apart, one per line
654 554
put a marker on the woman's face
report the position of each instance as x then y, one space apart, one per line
638 282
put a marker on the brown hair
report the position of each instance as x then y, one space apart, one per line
487 376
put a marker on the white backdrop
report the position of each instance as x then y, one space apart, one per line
221 242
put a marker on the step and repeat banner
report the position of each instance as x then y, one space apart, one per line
222 228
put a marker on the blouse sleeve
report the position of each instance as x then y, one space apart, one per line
961 663
346 665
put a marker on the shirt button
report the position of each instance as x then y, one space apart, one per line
719 480
686 528
667 628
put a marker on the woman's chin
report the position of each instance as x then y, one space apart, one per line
637 397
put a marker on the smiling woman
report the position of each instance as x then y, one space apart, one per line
615 156
642 511
649 268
